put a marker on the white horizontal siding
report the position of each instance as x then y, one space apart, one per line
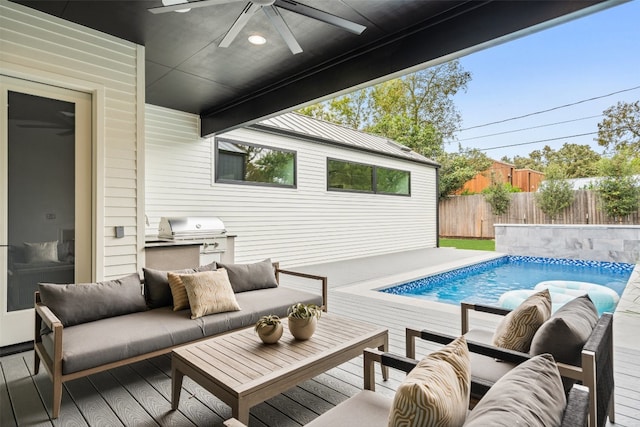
298 226
45 44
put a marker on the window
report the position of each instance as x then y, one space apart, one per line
392 181
350 176
359 177
254 164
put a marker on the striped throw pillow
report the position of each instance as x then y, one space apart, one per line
436 391
178 292
516 330
209 292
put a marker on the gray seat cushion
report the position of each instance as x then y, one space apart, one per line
366 408
109 340
484 367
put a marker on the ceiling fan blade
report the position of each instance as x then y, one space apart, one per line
190 5
242 20
328 18
43 126
282 27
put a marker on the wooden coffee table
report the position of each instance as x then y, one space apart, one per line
242 371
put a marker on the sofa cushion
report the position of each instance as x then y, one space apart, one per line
178 292
516 330
436 391
248 277
156 284
109 340
367 408
209 292
79 303
529 395
567 331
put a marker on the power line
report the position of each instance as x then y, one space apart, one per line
537 142
529 128
550 109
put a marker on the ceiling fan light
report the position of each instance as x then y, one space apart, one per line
257 39
172 2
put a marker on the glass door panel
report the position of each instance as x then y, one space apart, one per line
41 195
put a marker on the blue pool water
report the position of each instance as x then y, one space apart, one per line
485 282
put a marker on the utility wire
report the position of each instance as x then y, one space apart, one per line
536 142
529 128
551 109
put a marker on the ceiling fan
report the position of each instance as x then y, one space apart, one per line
270 8
63 120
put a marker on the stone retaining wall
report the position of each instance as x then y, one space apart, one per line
614 243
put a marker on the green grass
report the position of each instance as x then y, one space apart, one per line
477 244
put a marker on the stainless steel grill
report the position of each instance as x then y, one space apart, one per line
209 230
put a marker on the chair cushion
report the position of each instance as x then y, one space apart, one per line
80 303
209 292
531 395
516 330
436 391
248 277
567 331
156 284
366 408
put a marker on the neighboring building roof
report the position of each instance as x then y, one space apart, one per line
294 124
587 183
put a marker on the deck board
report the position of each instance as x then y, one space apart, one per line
140 394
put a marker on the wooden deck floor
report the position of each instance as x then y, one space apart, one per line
139 394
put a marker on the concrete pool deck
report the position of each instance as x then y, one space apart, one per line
363 276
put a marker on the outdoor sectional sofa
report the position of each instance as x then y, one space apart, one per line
88 328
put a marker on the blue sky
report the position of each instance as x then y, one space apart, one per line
587 57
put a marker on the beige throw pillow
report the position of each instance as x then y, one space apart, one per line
436 391
209 292
516 330
178 292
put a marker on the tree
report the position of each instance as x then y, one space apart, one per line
618 190
576 161
416 110
620 128
555 193
458 168
497 195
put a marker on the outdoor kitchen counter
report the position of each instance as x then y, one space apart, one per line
171 254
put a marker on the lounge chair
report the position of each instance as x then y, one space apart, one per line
488 362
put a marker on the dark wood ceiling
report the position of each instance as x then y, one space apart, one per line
230 87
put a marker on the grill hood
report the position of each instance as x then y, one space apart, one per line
190 227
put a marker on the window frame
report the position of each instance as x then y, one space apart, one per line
218 179
374 178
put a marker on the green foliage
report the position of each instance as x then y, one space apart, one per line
577 161
416 110
555 193
618 190
269 320
304 311
498 196
620 128
458 168
475 244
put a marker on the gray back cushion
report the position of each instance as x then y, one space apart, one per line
156 284
531 395
80 303
249 277
566 331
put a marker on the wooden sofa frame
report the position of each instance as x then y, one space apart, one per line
54 365
575 413
596 372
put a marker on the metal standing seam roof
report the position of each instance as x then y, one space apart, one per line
315 129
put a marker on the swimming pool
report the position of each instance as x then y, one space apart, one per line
485 282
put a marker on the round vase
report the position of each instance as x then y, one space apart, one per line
270 334
302 329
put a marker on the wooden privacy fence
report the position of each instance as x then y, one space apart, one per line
471 216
